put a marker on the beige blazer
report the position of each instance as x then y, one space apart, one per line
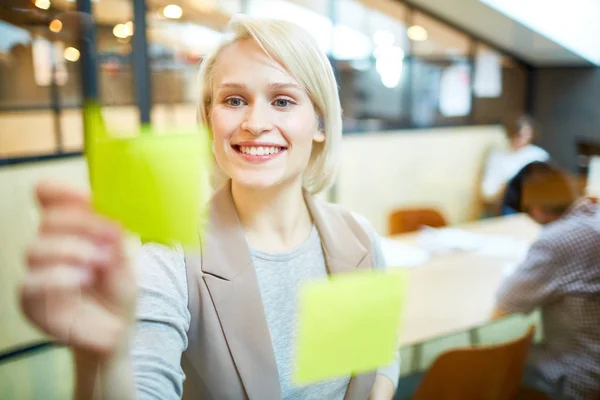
229 354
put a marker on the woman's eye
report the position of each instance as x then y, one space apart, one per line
234 102
282 103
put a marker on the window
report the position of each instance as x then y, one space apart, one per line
179 37
396 67
373 77
26 64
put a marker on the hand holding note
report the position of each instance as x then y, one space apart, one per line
349 324
80 287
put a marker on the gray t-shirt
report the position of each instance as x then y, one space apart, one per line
164 319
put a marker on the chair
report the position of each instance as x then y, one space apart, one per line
480 373
412 219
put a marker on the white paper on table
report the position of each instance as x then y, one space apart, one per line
503 246
447 240
402 255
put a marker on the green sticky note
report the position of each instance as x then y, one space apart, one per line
156 184
348 324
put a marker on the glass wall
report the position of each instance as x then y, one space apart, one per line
374 82
396 67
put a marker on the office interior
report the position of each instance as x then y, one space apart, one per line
427 88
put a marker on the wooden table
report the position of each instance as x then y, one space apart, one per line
456 292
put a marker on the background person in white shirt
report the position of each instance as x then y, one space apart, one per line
503 164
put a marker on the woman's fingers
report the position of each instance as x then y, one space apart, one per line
50 296
60 301
52 194
50 250
59 279
75 221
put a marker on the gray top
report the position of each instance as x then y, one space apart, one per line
562 276
164 319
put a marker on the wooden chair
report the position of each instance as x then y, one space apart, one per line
412 219
479 373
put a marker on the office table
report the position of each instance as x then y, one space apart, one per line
456 292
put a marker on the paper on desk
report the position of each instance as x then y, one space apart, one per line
448 240
156 184
402 255
348 324
503 246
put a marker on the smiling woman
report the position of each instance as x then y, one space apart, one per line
222 315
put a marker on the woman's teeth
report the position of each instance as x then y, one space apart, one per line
259 151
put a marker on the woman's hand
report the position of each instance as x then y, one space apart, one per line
79 287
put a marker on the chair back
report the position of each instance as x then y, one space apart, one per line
412 219
477 373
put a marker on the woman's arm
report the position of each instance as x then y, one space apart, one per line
383 389
104 378
149 365
80 289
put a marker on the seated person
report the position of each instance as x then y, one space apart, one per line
561 275
503 165
512 200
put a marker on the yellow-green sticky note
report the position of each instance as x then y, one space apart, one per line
348 324
156 184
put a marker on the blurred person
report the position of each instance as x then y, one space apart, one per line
503 165
560 276
224 316
513 200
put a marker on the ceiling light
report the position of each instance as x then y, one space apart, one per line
383 38
43 4
417 33
120 31
129 28
172 11
55 26
71 54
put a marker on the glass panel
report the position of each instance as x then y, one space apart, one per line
25 67
309 14
179 37
432 39
372 73
441 92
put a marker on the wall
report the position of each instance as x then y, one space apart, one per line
18 225
565 103
431 167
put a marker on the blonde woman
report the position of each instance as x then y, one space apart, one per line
221 318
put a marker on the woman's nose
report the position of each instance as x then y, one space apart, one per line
258 120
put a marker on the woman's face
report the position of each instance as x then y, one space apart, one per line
264 124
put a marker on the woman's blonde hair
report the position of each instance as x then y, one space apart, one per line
298 52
